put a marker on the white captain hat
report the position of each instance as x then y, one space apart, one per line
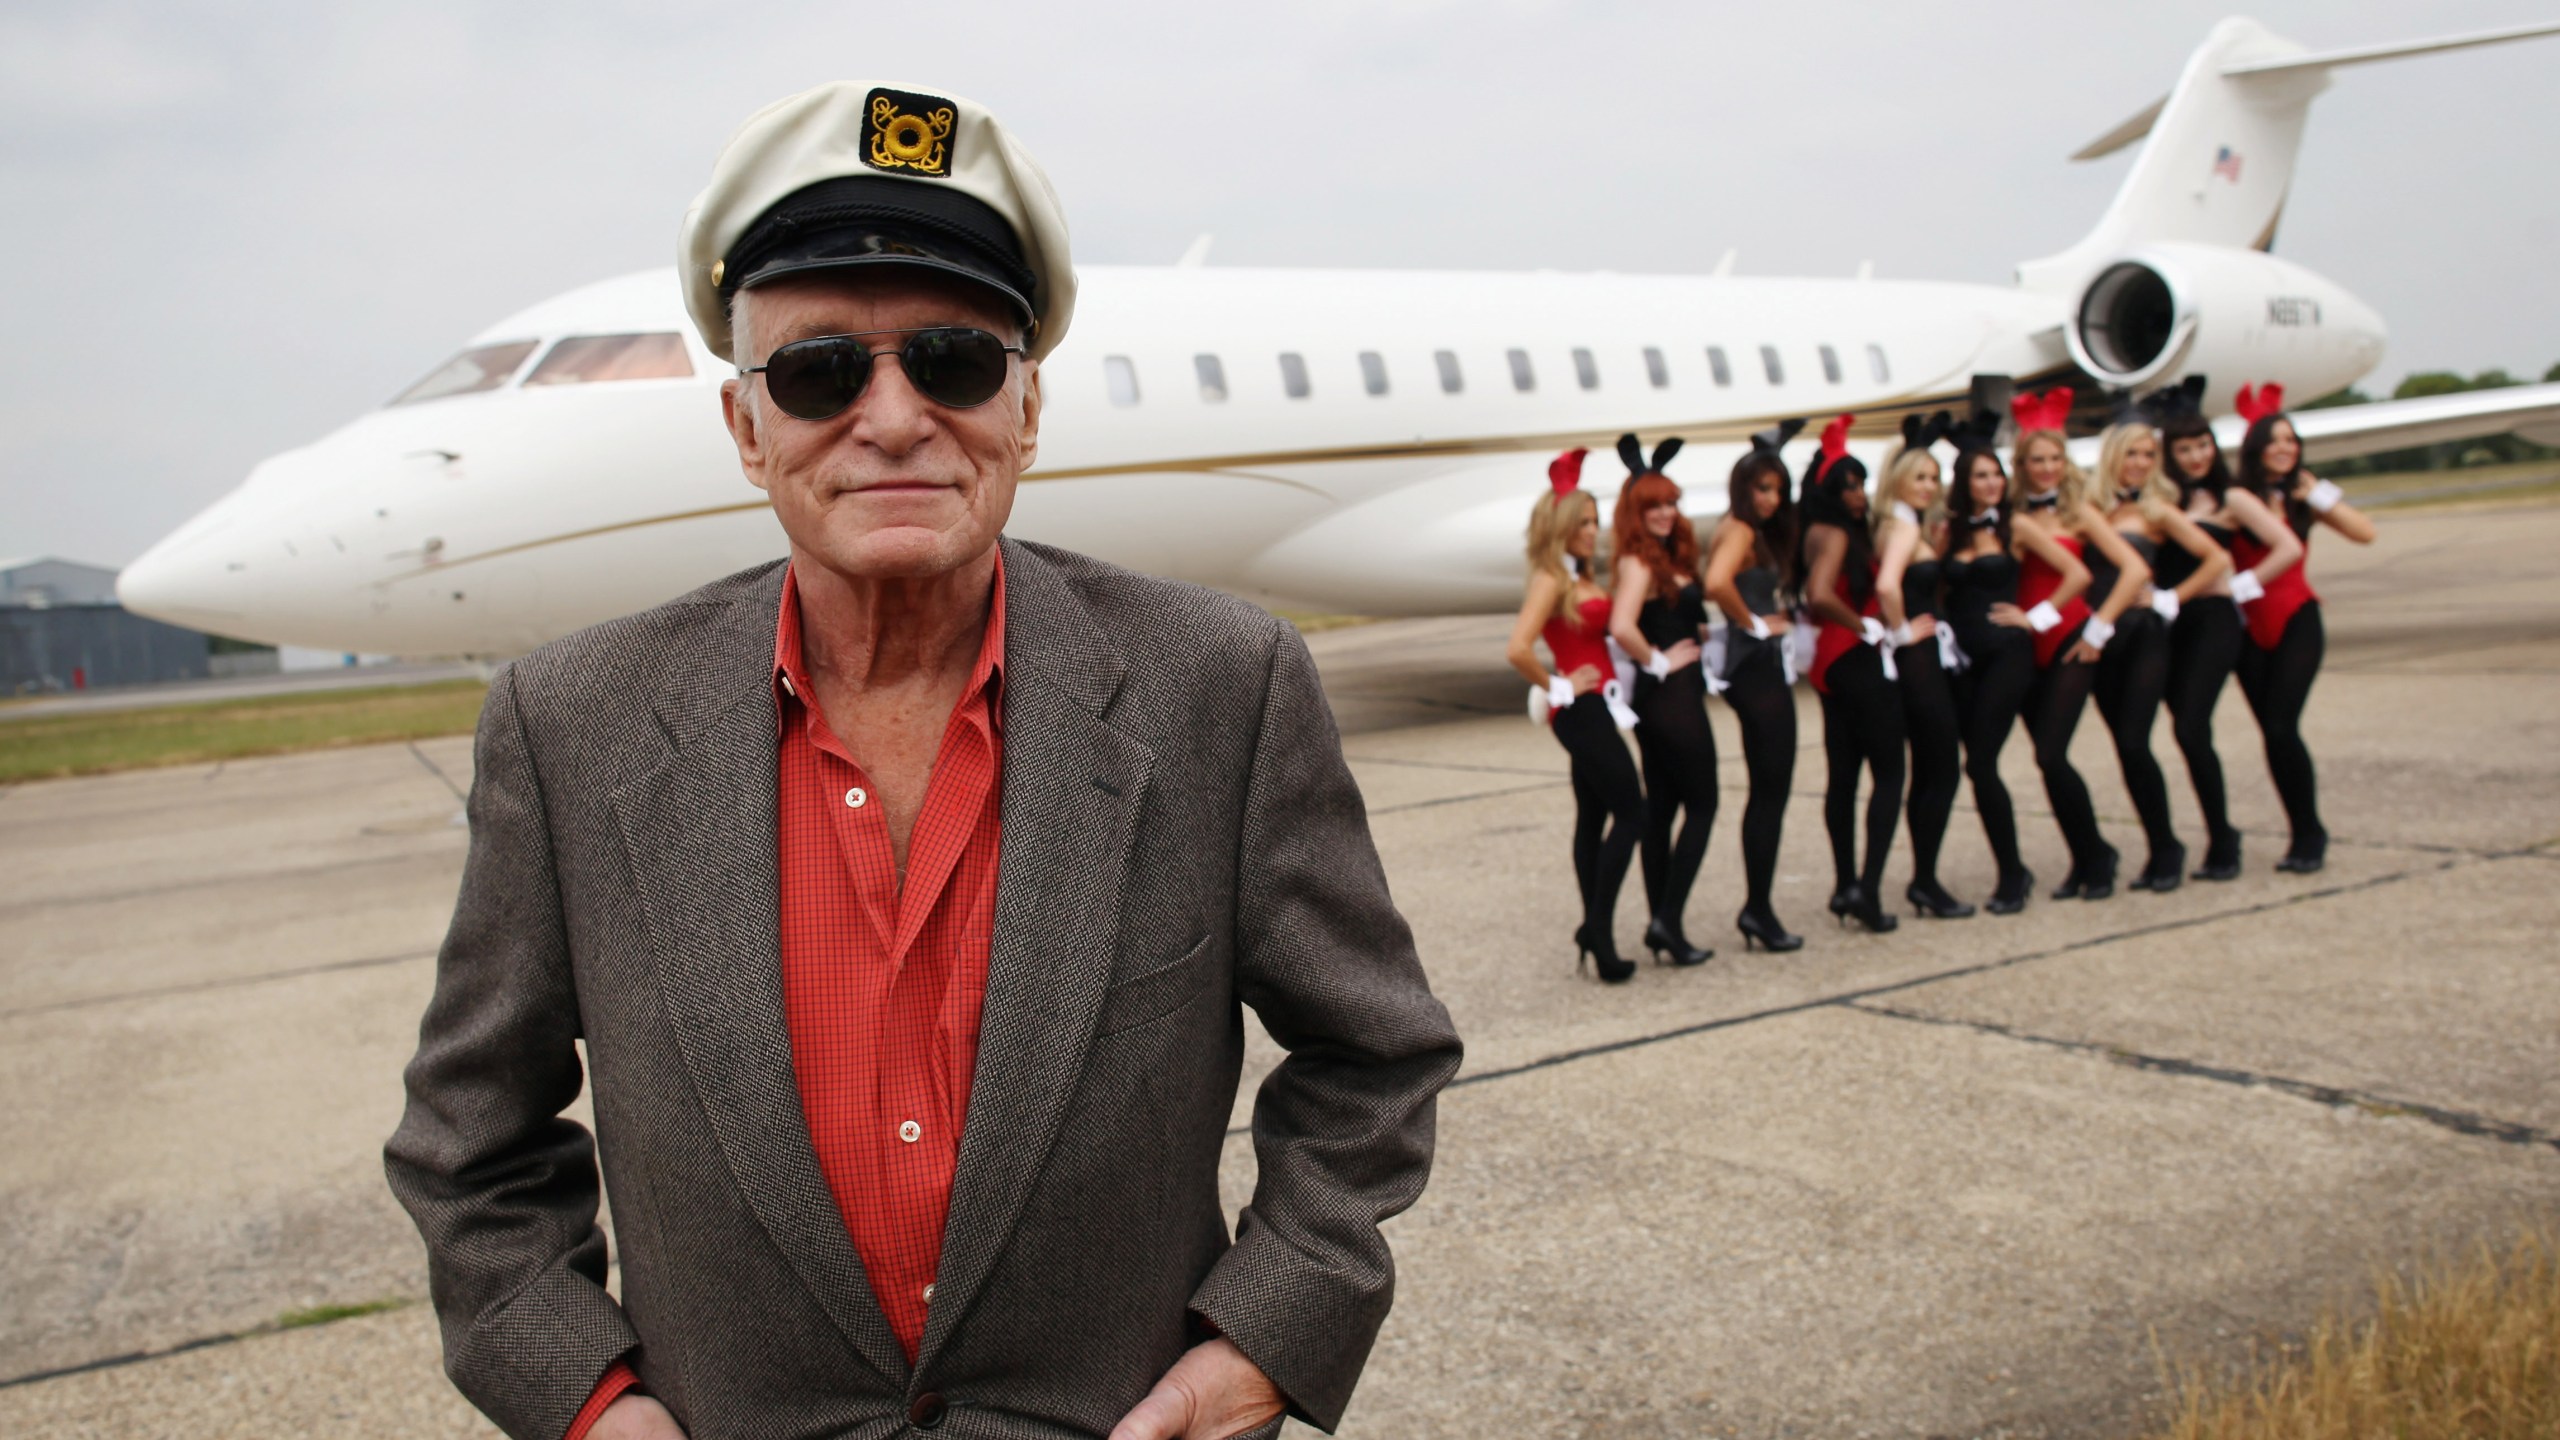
855 173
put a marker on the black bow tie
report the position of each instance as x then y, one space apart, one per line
2129 497
1987 520
2052 501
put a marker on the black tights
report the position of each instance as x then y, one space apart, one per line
1766 706
1679 775
2133 675
1929 715
1862 727
2203 647
1604 790
2278 684
2060 693
1995 689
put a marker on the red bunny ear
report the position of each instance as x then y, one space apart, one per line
2050 410
2256 405
1835 439
1565 471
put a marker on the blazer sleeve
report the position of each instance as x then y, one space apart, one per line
1342 1129
503 1189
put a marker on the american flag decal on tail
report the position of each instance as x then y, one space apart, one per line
2226 163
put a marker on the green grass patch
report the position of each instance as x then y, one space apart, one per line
45 746
328 1314
2526 481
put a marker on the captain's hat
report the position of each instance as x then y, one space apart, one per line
853 173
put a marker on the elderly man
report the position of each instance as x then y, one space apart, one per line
905 894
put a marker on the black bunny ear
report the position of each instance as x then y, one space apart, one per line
1775 438
1941 425
1632 453
1663 452
1915 432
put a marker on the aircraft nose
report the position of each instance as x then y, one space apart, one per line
184 581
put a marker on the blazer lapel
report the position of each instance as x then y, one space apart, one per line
699 832
1073 787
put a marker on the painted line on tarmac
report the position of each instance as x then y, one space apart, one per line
225 882
1469 796
2336 1097
1447 765
229 982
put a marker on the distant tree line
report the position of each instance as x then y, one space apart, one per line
2484 450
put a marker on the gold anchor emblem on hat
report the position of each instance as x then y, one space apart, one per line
903 138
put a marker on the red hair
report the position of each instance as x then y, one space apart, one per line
1671 562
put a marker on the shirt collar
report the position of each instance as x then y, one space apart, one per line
790 667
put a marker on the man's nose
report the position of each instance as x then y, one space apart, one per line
892 413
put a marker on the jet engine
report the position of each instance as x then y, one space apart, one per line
2237 316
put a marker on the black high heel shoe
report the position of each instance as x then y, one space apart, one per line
2164 871
1603 947
2221 858
1868 910
1931 899
1844 898
1670 947
2302 859
2099 881
2011 896
1761 930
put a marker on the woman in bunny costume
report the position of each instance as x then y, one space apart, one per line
1568 609
1854 673
1660 612
1750 570
1910 544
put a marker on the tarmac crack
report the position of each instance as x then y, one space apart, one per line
228 982
2463 1122
438 771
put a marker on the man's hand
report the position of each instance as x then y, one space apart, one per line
635 1417
1212 1392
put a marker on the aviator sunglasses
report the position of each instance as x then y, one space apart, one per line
953 366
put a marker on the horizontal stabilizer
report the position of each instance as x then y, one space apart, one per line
2333 59
2124 134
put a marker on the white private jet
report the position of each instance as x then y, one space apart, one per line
1355 441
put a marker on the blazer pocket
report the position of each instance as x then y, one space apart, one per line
1159 992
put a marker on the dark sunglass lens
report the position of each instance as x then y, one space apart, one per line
958 368
816 379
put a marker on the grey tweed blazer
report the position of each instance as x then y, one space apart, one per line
1181 837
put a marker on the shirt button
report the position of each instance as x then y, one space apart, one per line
855 798
910 1132
928 1294
787 687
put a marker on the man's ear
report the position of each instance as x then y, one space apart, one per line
737 410
1030 412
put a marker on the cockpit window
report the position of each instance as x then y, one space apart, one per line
483 367
587 359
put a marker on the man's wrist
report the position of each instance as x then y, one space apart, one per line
619 1380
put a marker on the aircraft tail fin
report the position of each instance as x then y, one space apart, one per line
2218 150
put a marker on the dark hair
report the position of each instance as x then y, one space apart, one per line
1826 502
1960 506
1776 536
2186 425
2276 490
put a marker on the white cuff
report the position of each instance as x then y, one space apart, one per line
1759 628
2043 617
2164 603
1658 664
1901 634
1903 512
2098 631
2246 587
1559 692
2324 496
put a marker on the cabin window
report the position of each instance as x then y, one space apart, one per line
482 367
1293 374
1523 379
1656 369
1770 365
1213 377
1718 366
1876 366
1373 372
1120 378
587 359
1830 363
1586 370
1452 380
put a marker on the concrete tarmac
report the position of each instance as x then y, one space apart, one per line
1978 1178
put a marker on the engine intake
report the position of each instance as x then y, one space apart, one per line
2175 309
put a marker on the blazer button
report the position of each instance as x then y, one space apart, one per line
926 1413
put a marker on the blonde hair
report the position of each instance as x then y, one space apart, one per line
1552 522
2074 488
2159 493
1900 463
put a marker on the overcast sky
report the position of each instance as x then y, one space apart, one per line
232 227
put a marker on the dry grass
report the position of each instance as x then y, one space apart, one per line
2467 1349
90 744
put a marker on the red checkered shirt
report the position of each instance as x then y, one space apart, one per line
882 983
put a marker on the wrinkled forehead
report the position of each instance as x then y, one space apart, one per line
887 297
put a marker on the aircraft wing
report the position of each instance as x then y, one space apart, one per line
2532 411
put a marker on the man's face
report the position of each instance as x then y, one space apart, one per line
895 485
